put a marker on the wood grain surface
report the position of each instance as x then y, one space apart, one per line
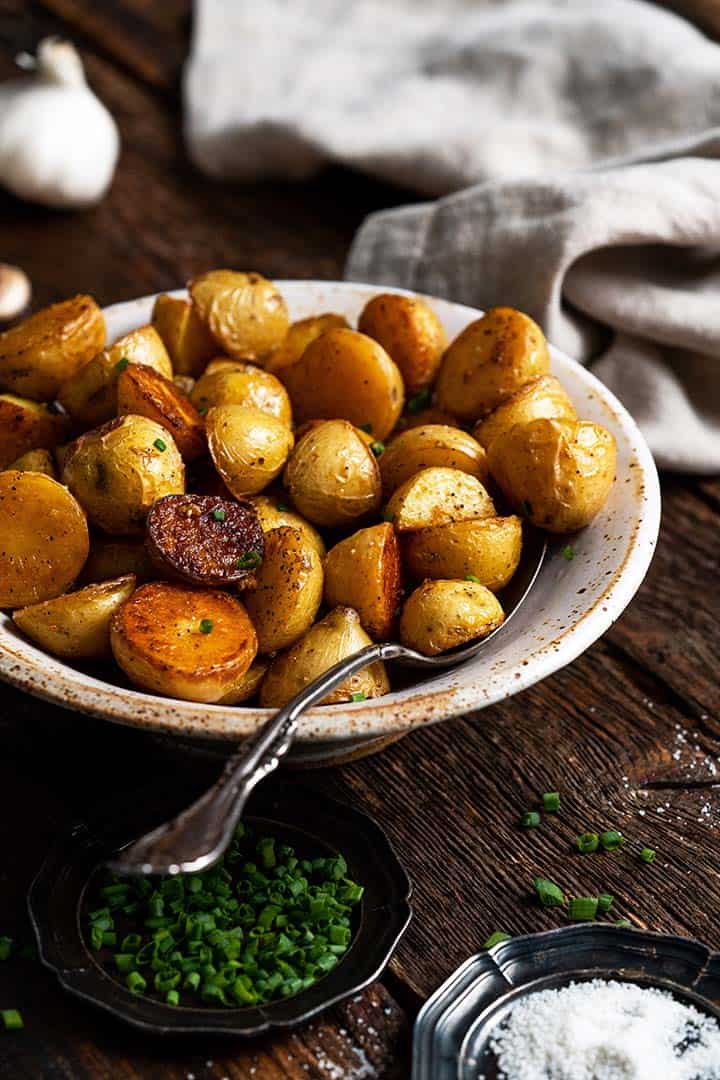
629 734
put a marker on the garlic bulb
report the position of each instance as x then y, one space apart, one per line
58 143
15 291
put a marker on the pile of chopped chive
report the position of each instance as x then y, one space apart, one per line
262 924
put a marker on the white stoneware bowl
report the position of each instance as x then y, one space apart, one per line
572 604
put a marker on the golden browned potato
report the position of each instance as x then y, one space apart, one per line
334 638
410 332
40 353
289 590
332 476
485 550
247 685
90 396
440 615
272 512
435 496
245 313
243 384
76 626
187 643
557 473
186 337
298 338
142 391
423 447
421 417
43 538
27 425
363 572
490 360
36 461
118 471
249 447
344 374
541 397
111 558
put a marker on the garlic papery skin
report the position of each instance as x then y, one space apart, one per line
15 292
59 145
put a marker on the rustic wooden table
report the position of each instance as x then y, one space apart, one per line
630 733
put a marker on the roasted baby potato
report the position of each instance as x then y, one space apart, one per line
248 447
332 476
187 643
245 313
298 338
347 375
363 572
410 332
272 512
76 626
40 353
27 425
490 360
185 336
541 397
435 496
90 396
119 470
43 538
424 447
247 685
243 384
485 550
204 540
289 590
142 391
332 639
557 473
113 558
440 615
36 461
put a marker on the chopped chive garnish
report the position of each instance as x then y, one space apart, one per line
122 364
526 508
206 626
612 840
249 561
583 908
367 428
359 696
135 983
388 515
623 922
647 855
530 820
283 508
495 938
605 902
12 1019
160 445
417 403
551 801
6 944
203 410
377 447
549 894
474 578
568 552
172 997
218 515
588 842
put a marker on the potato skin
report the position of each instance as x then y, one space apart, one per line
76 626
249 447
436 496
557 473
299 336
245 313
40 353
43 538
488 548
27 425
440 615
117 557
117 472
332 477
141 391
411 334
157 641
424 447
243 384
272 512
35 461
363 572
490 360
289 590
330 640
344 374
188 341
540 397
247 685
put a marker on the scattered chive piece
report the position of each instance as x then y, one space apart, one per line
388 515
612 840
160 445
495 938
203 410
473 577
359 696
568 552
367 428
172 997
588 842
623 922
605 902
530 820
549 894
135 983
12 1019
583 908
219 515
6 944
377 447
421 399
526 508
249 561
647 855
551 801
206 626
122 364
398 611
283 508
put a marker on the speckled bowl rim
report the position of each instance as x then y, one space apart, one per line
29 668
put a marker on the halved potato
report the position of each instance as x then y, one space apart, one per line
247 685
289 590
363 572
186 338
332 639
248 447
440 615
36 461
145 392
27 425
272 512
557 473
43 538
410 332
490 360
111 558
245 313
298 338
424 447
435 496
347 375
40 353
332 475
486 550
541 397
76 626
193 644
243 384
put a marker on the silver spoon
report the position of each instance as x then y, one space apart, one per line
199 836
